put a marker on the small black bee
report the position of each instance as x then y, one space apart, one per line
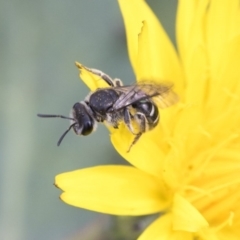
135 105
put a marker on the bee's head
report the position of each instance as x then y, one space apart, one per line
81 119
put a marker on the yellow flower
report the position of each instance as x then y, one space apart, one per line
188 167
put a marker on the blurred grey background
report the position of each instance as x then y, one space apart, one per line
39 42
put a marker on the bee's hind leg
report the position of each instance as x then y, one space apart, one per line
127 117
140 119
134 141
142 122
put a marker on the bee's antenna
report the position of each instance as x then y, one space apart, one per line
64 134
59 116
53 116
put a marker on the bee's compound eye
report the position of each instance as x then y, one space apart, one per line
88 127
83 116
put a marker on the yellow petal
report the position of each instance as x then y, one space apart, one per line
161 229
190 26
223 25
131 11
157 59
145 154
229 233
210 234
92 80
186 217
185 17
192 47
151 52
120 190
226 80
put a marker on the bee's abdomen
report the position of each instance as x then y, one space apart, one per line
150 111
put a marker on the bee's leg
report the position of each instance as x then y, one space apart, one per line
112 120
117 82
142 121
134 141
103 75
114 123
127 119
111 82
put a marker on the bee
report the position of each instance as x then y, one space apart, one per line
135 105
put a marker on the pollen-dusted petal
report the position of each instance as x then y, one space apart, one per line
151 52
186 217
93 81
161 229
120 190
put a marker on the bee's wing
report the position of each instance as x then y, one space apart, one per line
161 94
166 99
